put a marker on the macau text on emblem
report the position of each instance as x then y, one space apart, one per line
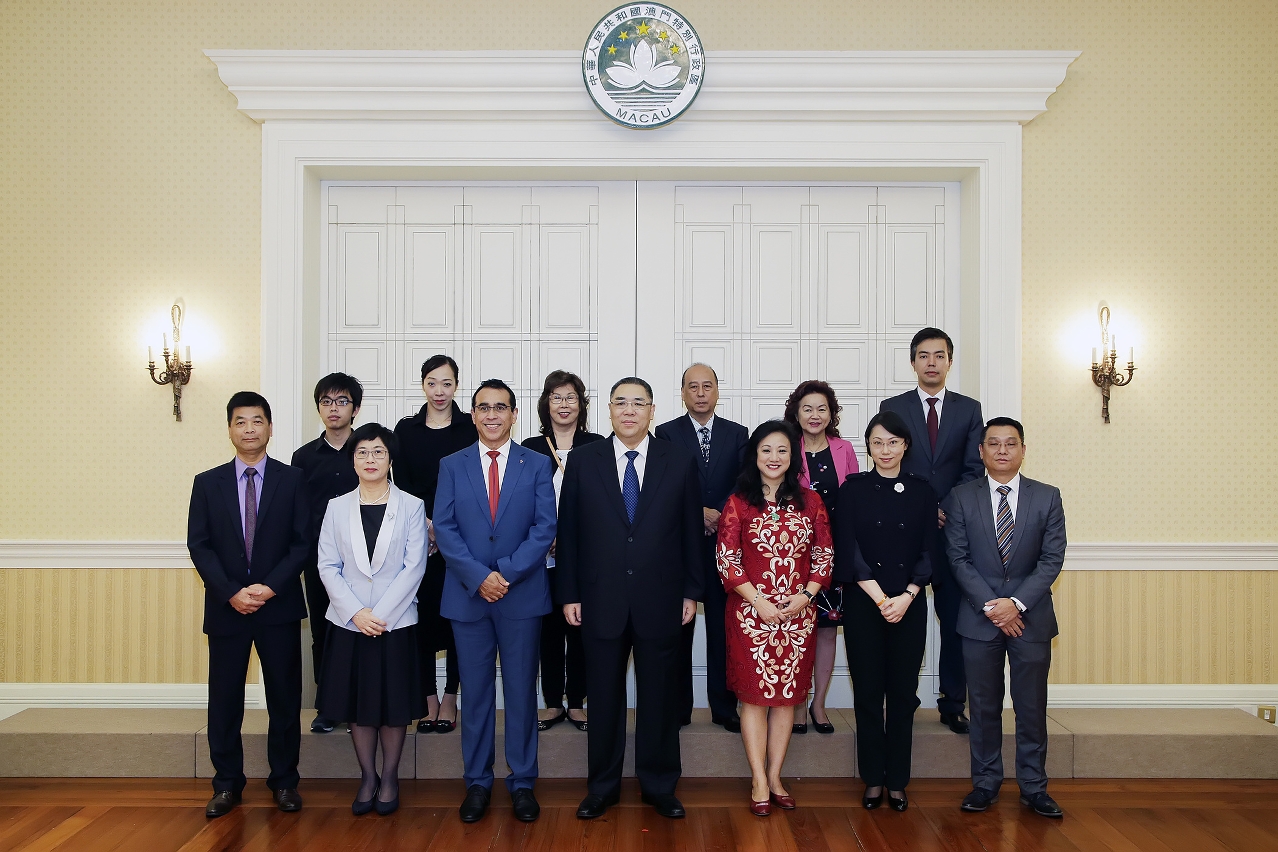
643 65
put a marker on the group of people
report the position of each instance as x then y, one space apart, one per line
574 553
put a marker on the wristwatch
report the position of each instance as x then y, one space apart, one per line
811 597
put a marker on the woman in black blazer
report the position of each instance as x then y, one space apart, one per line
882 522
562 409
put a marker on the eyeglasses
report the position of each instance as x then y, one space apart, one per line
328 401
499 408
622 403
1011 444
891 444
556 399
378 454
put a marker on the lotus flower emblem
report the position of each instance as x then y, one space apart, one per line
643 68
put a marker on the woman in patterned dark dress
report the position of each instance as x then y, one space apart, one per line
827 460
775 554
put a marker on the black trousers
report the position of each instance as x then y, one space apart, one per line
562 650
656 715
946 597
316 608
723 702
884 660
279 647
434 632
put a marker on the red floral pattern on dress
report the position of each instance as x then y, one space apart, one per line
779 550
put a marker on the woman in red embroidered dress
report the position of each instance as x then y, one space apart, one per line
775 553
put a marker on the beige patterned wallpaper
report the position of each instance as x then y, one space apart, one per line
129 178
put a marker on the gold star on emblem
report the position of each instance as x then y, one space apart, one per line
663 35
612 49
643 29
624 35
674 48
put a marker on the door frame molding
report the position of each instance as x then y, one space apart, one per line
524 115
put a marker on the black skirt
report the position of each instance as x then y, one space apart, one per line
370 680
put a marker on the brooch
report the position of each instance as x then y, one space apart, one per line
898 488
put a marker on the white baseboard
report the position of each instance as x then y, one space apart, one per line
193 696
1147 695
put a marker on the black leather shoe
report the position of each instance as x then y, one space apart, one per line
359 808
322 725
871 802
475 805
547 724
821 727
799 728
288 800
731 724
386 808
978 800
666 805
956 722
1043 805
594 806
900 804
425 726
221 804
526 807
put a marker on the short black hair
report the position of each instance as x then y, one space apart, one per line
684 378
557 379
372 432
1004 421
339 383
434 362
750 480
247 399
630 380
493 383
893 423
930 334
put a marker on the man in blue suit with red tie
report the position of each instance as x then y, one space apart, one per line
494 523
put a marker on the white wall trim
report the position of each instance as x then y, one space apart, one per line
1011 85
1099 556
1205 695
148 695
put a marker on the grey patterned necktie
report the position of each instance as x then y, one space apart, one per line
705 444
250 512
1004 523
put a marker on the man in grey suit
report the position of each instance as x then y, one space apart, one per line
1006 543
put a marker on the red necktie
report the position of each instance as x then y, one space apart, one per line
494 487
933 422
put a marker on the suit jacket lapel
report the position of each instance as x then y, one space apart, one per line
612 486
355 531
654 467
514 469
717 437
1023 501
918 426
385 532
269 487
950 416
231 496
475 476
985 506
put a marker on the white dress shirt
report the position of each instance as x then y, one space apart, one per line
1015 485
484 461
697 427
940 402
640 460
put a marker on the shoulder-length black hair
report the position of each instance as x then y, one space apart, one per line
558 379
372 432
750 482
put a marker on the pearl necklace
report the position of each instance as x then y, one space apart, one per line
375 501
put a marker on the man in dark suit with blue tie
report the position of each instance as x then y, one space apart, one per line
248 533
494 523
1006 542
719 444
945 430
629 568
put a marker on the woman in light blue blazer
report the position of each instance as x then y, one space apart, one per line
372 555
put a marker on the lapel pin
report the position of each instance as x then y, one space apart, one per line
899 487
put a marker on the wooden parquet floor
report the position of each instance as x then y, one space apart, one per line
157 815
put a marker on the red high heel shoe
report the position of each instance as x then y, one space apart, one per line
763 808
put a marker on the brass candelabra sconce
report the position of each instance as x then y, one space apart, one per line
176 371
1105 372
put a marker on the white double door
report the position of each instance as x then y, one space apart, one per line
769 284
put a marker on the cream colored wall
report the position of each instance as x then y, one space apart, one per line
129 178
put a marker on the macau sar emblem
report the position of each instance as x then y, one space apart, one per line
643 65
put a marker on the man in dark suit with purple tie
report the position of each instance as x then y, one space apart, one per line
945 434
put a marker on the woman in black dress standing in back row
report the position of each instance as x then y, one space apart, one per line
439 429
881 527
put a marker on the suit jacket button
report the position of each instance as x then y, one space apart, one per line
630 570
492 538
878 523
902 526
631 538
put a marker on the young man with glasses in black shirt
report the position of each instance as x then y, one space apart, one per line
328 473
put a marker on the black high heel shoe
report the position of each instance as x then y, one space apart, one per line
547 724
821 727
386 808
579 724
900 804
359 808
871 803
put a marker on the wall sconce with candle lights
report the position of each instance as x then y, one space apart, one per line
1105 372
176 370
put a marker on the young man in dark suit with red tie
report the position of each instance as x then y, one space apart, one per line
945 430
248 535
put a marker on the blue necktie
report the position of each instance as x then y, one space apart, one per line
630 486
